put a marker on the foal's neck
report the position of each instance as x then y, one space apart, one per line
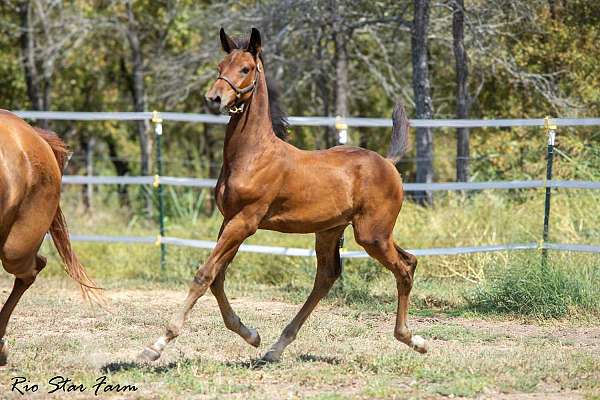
251 131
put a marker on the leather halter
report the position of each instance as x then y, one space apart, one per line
238 108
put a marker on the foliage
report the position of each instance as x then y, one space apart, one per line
527 59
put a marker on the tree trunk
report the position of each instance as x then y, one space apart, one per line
422 92
462 96
323 88
341 75
341 68
122 168
138 93
38 97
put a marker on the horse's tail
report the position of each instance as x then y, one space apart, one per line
399 143
60 233
71 264
59 148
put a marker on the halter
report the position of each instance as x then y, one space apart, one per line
238 108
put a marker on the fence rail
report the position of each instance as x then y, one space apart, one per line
408 187
304 252
305 121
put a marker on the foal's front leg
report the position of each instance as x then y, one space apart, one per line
230 318
234 233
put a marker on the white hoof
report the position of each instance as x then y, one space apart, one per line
418 343
148 355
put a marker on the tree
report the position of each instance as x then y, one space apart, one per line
462 96
48 32
422 92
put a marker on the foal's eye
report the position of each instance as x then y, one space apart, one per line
245 70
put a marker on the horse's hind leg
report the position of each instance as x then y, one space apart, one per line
21 284
380 245
232 321
328 270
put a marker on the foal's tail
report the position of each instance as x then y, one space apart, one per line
60 233
71 264
400 128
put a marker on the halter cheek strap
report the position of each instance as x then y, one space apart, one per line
238 108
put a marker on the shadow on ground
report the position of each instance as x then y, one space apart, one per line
323 359
122 366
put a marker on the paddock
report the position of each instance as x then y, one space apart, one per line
353 355
346 349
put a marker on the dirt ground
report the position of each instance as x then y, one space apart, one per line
340 353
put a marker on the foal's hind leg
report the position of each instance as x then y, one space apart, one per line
328 270
232 321
381 246
22 283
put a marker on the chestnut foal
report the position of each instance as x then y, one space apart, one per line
31 164
266 183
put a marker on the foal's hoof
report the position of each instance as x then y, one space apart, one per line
254 338
149 354
418 344
271 357
3 355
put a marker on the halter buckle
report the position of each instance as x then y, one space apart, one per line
236 109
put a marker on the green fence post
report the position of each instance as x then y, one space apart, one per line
550 129
157 121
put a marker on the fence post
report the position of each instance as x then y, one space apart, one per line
550 129
157 121
342 129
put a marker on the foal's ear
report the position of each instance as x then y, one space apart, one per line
254 43
226 42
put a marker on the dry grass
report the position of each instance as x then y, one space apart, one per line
342 352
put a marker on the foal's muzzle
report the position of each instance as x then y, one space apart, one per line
214 103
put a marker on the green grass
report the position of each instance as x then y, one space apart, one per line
529 289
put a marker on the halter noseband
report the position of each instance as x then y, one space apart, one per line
239 92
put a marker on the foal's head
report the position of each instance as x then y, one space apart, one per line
238 74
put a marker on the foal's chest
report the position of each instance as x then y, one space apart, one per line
235 190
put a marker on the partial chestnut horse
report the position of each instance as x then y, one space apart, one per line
31 164
266 183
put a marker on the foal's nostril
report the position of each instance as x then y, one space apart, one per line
216 100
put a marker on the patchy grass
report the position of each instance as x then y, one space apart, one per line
343 351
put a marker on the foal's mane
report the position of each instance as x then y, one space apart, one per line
278 114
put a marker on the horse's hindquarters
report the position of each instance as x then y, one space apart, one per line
30 192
